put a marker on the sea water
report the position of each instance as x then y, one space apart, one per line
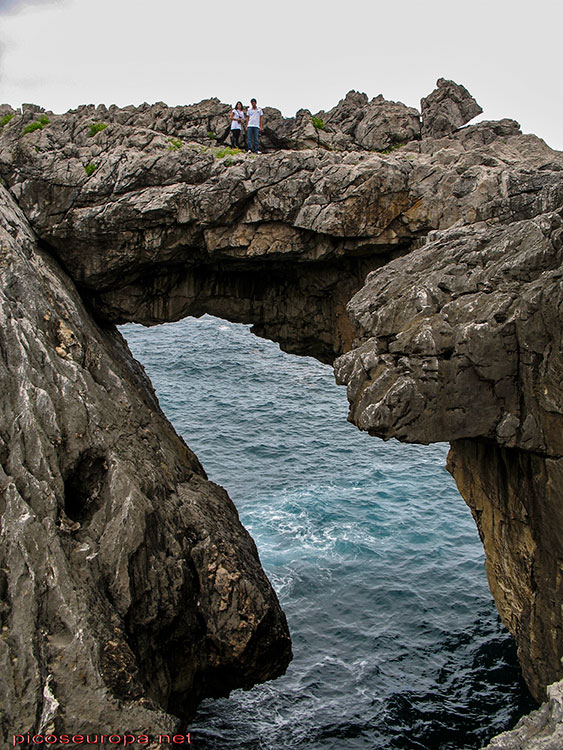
373 554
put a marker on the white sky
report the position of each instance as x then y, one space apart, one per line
290 54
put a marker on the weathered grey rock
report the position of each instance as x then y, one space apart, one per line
353 124
130 590
540 730
515 498
462 328
206 122
387 125
378 125
6 109
297 132
449 107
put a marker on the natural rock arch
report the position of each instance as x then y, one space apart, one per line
454 336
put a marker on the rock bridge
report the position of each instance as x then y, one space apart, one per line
423 259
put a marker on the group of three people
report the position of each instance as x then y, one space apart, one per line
253 119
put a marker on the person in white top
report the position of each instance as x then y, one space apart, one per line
254 117
237 119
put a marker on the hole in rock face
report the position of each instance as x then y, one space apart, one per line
373 553
83 486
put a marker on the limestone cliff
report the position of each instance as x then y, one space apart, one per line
455 334
130 590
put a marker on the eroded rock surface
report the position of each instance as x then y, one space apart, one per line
151 232
455 335
449 107
130 590
464 329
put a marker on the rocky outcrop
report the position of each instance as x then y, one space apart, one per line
130 590
541 730
353 124
455 335
464 329
449 107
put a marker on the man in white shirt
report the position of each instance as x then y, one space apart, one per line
254 125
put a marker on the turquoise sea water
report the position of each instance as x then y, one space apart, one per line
374 556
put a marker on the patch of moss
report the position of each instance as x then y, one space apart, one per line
96 127
175 144
38 124
6 119
318 123
227 151
90 168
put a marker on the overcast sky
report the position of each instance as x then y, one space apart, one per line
289 55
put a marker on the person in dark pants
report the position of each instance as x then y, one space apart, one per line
237 119
254 117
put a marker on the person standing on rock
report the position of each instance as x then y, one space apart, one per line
237 120
254 117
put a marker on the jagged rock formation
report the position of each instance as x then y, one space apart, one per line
455 336
353 124
447 108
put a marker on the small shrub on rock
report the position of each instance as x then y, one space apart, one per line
38 124
96 127
227 151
